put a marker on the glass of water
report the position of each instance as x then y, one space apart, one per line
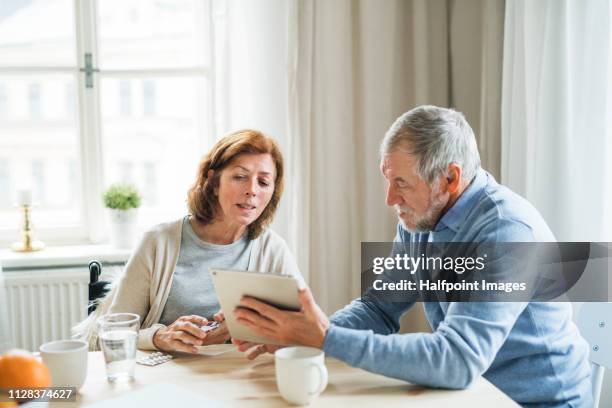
118 334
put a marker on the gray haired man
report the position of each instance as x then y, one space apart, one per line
531 351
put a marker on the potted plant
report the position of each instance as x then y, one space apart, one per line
122 201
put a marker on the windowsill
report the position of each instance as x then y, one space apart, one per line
62 256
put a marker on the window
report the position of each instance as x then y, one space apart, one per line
34 101
150 183
82 108
69 98
3 101
148 96
125 171
5 184
38 176
125 98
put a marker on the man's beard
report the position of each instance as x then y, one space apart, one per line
427 221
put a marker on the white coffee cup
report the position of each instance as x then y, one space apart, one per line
67 362
300 373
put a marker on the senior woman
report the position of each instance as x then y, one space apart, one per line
233 200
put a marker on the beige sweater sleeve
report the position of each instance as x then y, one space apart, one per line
275 257
134 288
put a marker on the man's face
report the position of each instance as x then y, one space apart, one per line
418 205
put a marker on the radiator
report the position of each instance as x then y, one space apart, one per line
44 304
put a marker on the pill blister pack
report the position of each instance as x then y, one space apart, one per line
154 359
210 326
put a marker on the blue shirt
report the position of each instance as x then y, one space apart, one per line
531 351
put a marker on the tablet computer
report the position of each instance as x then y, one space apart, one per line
231 285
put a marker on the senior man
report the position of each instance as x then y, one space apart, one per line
531 351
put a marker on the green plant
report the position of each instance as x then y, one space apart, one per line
121 197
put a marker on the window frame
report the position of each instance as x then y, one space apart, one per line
92 229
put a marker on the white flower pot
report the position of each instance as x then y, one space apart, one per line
123 225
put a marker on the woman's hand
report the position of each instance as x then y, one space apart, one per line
182 335
219 335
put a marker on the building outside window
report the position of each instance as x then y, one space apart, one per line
72 101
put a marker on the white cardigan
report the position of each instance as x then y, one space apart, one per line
145 284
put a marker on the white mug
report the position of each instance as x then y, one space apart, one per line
300 373
67 362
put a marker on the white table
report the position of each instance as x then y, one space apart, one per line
236 381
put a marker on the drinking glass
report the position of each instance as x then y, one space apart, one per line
118 334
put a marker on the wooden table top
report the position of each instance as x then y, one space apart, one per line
235 381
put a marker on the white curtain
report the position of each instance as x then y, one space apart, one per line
287 68
557 113
327 78
250 84
557 116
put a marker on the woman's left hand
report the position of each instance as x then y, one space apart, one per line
219 335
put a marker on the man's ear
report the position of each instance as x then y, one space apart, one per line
453 178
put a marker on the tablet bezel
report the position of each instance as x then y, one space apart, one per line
231 285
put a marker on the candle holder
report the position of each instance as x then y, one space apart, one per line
27 244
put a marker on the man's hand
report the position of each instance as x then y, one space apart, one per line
182 335
253 350
306 327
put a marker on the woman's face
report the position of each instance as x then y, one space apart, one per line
245 188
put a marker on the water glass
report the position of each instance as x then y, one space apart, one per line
118 334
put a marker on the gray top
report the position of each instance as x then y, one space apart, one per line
192 290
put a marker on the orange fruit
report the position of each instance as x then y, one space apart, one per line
19 351
20 370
